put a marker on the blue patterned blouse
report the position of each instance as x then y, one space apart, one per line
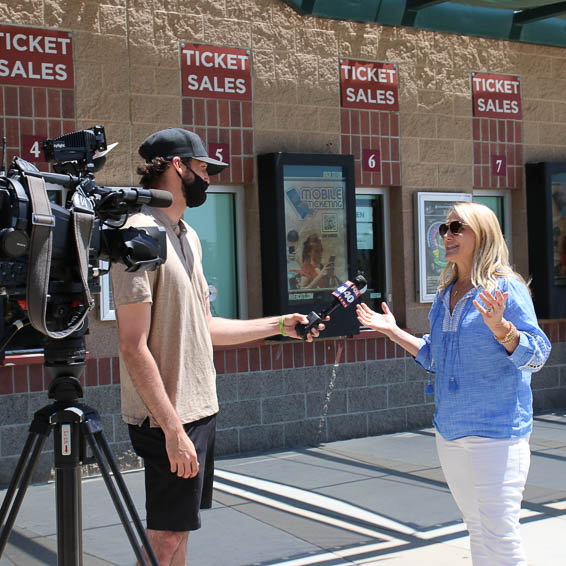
479 388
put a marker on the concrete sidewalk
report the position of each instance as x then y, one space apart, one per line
370 501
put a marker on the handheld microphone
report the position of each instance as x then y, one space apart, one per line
344 296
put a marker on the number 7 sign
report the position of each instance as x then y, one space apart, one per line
498 165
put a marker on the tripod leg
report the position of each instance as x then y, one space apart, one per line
20 481
68 453
94 439
69 516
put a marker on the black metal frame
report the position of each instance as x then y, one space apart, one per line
273 237
549 300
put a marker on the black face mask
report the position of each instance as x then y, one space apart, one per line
195 192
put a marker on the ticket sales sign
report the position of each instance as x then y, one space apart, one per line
36 57
215 72
369 85
497 96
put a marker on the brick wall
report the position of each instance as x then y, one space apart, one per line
272 395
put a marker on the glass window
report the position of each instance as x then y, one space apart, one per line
219 227
498 201
373 244
558 181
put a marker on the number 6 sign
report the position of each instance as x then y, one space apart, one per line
371 160
220 151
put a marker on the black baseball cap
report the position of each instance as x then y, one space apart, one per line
178 142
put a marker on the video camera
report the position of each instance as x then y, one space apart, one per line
49 252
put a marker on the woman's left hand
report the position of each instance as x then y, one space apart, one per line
492 312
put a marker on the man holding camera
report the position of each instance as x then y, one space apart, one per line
166 337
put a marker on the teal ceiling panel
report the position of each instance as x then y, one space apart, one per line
465 20
356 10
532 21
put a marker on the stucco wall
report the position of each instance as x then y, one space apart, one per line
127 78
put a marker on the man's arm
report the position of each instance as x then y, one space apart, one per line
133 330
227 331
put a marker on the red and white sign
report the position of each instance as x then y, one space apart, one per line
371 160
220 151
32 148
215 72
369 85
36 57
497 96
498 165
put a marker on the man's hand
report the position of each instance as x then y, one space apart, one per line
182 454
291 320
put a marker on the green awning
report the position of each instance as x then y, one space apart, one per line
530 21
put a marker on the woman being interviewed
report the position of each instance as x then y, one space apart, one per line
483 345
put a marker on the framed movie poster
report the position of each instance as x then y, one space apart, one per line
432 209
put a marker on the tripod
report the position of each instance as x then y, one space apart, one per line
74 425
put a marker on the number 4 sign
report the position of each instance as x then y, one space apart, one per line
220 151
371 160
498 165
32 148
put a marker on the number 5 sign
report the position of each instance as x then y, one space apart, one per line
32 148
220 151
371 160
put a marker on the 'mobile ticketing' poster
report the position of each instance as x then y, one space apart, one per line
315 225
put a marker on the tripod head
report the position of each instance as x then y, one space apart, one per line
65 361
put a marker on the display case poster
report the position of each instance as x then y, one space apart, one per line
559 228
433 209
315 228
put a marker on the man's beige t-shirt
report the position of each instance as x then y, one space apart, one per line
179 338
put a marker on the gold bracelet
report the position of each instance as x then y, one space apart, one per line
509 337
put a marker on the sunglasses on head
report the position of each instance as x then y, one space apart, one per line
455 227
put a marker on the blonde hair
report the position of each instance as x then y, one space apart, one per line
491 255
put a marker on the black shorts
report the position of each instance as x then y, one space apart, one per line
173 503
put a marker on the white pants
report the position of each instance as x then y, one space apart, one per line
487 477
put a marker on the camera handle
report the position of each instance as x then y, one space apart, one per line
74 425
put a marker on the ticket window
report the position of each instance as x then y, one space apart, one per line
499 202
373 244
219 223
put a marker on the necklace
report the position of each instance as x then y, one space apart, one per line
464 288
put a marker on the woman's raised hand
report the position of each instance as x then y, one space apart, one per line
383 322
492 308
